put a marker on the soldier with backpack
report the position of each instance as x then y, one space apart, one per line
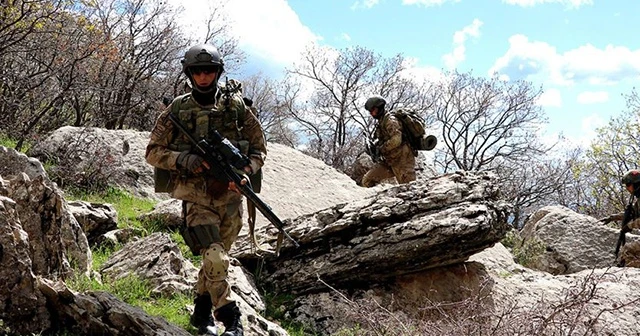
212 208
391 151
629 254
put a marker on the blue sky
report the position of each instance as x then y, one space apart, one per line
585 53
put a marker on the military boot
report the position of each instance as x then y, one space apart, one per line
201 317
230 314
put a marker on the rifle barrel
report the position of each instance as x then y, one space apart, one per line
216 159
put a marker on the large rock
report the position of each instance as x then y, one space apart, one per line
158 260
96 219
154 258
22 306
56 237
601 301
118 155
572 242
405 229
101 313
296 184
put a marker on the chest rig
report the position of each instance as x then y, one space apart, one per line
226 116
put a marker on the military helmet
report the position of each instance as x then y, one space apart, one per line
374 101
202 55
631 177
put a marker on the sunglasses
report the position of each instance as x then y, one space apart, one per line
203 70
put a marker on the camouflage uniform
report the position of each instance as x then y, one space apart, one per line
630 252
206 200
398 157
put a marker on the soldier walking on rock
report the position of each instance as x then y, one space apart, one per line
212 208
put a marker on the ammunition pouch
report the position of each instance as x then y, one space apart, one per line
200 237
243 146
162 180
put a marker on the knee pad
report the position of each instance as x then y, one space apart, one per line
200 237
215 262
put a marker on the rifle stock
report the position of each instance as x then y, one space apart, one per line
219 158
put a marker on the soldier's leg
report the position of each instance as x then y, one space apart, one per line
630 254
405 169
202 230
226 309
376 174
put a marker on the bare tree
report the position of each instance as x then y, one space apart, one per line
484 120
41 71
536 182
20 19
338 82
272 112
615 150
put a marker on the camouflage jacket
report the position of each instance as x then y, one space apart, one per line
392 145
231 119
634 223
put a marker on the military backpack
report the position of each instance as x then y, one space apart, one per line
413 130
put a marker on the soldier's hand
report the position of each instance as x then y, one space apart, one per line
625 228
233 187
192 163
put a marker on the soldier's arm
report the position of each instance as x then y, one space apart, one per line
612 218
393 127
158 153
634 224
252 131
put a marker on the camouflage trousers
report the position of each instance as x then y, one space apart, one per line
630 254
212 277
404 172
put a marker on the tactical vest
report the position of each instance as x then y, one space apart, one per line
227 116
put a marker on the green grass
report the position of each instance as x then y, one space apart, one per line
137 292
11 143
274 311
127 206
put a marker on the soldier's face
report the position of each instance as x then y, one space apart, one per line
374 112
204 76
630 188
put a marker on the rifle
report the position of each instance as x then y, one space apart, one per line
223 157
628 216
373 150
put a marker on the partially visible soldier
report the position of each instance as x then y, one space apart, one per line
249 102
391 152
211 208
630 253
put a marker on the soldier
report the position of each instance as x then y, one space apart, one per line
630 253
395 157
212 209
249 102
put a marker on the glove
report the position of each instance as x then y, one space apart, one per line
625 228
192 163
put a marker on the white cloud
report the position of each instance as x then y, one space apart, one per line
550 98
270 29
427 3
531 3
451 60
345 37
585 64
593 97
589 125
421 74
364 4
